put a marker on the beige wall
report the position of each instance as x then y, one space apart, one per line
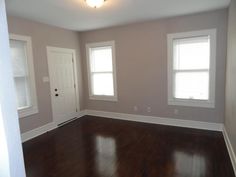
141 61
43 35
141 57
230 120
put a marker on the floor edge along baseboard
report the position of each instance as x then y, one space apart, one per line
129 117
144 119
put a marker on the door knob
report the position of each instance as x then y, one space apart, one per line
56 94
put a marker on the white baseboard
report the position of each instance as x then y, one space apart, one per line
130 117
230 149
41 130
38 131
158 120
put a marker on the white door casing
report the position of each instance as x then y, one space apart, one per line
63 83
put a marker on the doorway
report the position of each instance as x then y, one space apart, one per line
63 84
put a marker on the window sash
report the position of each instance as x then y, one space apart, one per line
190 72
93 86
27 89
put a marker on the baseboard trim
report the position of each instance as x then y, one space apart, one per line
230 149
44 129
145 119
37 131
130 117
158 120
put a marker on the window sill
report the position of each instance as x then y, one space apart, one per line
103 98
27 111
191 103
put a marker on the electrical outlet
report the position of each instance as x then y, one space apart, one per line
149 109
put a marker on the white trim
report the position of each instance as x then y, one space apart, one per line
157 120
98 45
37 131
73 52
44 129
128 117
33 109
230 149
191 102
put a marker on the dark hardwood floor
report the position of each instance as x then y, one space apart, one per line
100 147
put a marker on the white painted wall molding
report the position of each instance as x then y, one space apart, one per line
158 120
38 131
230 149
44 129
130 117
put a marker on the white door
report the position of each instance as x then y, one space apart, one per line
62 83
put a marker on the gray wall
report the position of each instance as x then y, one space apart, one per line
230 119
141 61
43 35
141 57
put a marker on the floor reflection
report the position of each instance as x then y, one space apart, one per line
187 164
105 156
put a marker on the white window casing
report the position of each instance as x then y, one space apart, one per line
27 101
191 72
101 67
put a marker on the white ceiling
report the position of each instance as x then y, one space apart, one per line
76 15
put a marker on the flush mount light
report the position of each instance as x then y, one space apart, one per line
95 3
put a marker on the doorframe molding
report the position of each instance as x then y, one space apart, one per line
73 52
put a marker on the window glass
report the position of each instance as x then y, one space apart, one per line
20 73
101 59
192 53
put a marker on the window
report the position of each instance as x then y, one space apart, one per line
102 71
191 68
23 73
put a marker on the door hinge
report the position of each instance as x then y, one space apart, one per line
76 110
74 85
72 60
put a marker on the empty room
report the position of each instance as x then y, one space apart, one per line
118 88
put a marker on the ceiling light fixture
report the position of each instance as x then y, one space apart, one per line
95 3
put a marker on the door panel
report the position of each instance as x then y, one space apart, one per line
62 83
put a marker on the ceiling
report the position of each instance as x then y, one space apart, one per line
76 15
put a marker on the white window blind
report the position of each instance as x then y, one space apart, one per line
20 73
191 68
102 71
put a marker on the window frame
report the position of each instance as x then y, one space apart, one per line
33 108
210 103
89 72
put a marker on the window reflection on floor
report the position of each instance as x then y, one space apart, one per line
187 164
105 156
